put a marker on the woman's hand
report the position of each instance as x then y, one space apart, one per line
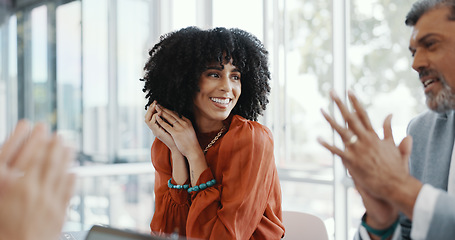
151 119
181 130
159 120
184 136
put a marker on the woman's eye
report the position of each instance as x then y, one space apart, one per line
213 75
236 77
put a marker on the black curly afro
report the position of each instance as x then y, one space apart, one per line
176 62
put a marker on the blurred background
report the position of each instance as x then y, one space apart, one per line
76 65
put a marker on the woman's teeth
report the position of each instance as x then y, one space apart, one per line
221 100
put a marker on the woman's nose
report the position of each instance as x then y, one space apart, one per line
225 84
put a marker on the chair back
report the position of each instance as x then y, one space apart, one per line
300 225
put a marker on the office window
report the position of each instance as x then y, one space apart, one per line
380 62
184 13
69 72
41 84
133 43
302 85
8 74
308 79
95 80
246 15
121 200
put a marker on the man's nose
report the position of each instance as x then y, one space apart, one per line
420 61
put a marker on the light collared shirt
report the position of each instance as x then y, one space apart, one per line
426 202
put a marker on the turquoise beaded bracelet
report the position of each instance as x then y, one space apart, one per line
384 233
202 186
170 185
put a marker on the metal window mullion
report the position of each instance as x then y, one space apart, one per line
267 117
81 104
52 63
155 22
166 17
339 23
112 104
204 13
283 59
5 74
24 92
277 88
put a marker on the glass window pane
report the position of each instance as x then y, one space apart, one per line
355 211
121 201
12 90
41 97
380 63
135 136
248 17
308 81
95 78
69 79
184 13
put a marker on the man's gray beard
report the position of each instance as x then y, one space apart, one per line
444 100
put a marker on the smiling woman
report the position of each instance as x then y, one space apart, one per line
219 90
215 170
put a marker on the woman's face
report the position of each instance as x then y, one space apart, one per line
220 89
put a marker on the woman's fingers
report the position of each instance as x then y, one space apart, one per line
159 128
150 111
173 119
164 124
148 115
170 116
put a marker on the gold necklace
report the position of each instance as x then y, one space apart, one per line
218 135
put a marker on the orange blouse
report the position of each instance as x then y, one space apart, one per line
244 204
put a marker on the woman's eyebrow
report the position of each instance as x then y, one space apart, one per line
220 68
215 67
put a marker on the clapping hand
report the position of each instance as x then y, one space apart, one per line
35 185
377 166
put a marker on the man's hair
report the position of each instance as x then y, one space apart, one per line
421 7
177 61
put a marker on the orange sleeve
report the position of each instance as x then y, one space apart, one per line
246 201
171 205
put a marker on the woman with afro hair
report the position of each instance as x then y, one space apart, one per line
215 172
